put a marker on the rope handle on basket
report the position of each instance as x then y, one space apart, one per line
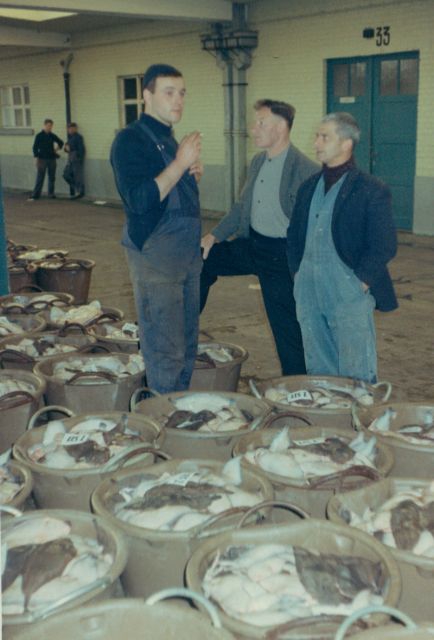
124 457
395 613
227 513
82 264
51 407
94 348
13 355
63 331
286 414
30 287
254 389
187 593
135 397
106 375
273 503
355 471
25 396
106 316
13 308
388 391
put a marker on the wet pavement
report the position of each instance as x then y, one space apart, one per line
234 312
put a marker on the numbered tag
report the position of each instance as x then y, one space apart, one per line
306 443
74 438
302 394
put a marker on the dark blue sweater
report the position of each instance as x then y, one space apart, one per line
136 163
363 231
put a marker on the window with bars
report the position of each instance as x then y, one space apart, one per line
15 109
131 98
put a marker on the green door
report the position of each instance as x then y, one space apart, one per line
381 93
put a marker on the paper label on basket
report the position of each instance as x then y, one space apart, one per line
306 443
74 438
182 479
302 394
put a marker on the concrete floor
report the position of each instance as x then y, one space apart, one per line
234 312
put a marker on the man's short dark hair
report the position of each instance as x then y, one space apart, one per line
156 71
48 121
279 108
72 124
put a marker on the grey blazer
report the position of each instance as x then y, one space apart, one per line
296 169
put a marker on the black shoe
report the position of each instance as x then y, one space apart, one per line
52 196
79 195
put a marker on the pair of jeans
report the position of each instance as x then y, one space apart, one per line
266 258
167 307
337 323
41 168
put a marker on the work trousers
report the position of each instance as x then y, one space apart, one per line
41 168
266 258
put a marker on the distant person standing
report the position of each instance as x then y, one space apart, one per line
45 149
73 173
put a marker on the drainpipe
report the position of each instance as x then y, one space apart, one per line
66 76
4 279
232 47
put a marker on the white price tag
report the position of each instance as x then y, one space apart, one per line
302 394
306 443
74 438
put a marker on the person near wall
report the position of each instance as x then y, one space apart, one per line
45 147
258 222
156 179
340 239
73 172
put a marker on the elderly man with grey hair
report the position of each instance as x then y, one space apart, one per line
339 242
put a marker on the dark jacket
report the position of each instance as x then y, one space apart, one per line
43 145
296 169
76 149
136 162
363 231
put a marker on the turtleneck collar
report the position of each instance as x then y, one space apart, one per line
333 174
159 128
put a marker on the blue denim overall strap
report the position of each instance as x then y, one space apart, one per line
335 313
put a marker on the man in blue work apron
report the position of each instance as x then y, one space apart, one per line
156 179
340 239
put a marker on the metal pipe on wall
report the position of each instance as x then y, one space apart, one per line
4 276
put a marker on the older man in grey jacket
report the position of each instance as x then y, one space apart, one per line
258 223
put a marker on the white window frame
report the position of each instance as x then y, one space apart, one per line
123 102
15 107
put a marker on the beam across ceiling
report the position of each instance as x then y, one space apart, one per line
208 10
11 36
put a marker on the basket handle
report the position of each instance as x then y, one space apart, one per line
14 307
301 623
83 264
227 513
63 332
14 356
105 316
25 396
30 287
356 470
388 389
92 374
254 389
273 503
395 613
135 397
286 414
187 593
51 407
131 454
94 348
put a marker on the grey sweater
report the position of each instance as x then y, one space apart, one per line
297 169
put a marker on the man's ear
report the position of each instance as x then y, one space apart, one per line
347 145
146 95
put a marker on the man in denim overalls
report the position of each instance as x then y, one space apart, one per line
340 240
156 179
